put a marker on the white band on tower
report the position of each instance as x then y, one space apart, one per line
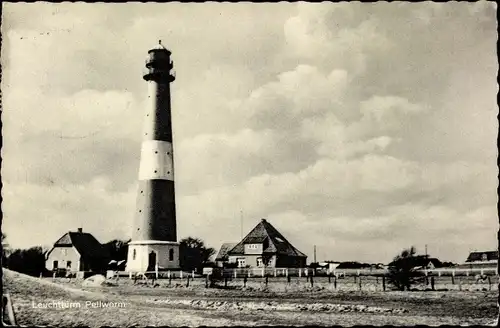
156 161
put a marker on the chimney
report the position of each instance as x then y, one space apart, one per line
80 230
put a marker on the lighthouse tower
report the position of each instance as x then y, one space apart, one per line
154 236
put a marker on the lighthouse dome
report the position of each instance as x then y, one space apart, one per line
159 46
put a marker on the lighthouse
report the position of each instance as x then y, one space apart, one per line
154 232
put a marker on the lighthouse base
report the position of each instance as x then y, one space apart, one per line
150 255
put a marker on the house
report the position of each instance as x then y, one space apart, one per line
77 251
421 262
329 266
428 263
482 256
264 246
222 256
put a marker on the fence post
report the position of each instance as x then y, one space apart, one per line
156 271
225 281
432 282
459 283
235 273
168 274
359 282
267 278
329 278
312 281
245 281
288 279
192 274
263 271
187 282
181 274
453 277
286 272
335 282
300 273
206 280
489 283
169 279
274 272
383 283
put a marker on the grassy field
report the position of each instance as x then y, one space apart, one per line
141 305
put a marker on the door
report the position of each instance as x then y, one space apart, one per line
151 261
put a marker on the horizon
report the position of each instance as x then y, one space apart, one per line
362 129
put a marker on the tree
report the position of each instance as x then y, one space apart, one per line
29 261
402 270
4 251
117 249
194 254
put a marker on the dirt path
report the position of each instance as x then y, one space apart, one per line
180 307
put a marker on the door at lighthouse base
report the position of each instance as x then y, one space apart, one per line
151 261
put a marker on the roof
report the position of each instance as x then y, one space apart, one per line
482 256
84 243
276 243
159 46
224 249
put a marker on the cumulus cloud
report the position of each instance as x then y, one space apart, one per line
357 123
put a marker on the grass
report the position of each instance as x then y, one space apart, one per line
148 306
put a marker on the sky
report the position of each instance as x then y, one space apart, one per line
361 128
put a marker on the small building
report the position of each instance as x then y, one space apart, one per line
222 256
485 256
428 263
264 246
77 251
423 262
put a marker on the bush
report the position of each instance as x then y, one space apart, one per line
402 273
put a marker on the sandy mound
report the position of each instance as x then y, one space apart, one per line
18 283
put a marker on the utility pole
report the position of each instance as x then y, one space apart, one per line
241 224
426 251
314 253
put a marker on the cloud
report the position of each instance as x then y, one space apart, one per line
93 206
357 123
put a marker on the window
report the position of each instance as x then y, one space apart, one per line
134 253
68 265
241 263
55 265
171 255
259 261
484 257
65 251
